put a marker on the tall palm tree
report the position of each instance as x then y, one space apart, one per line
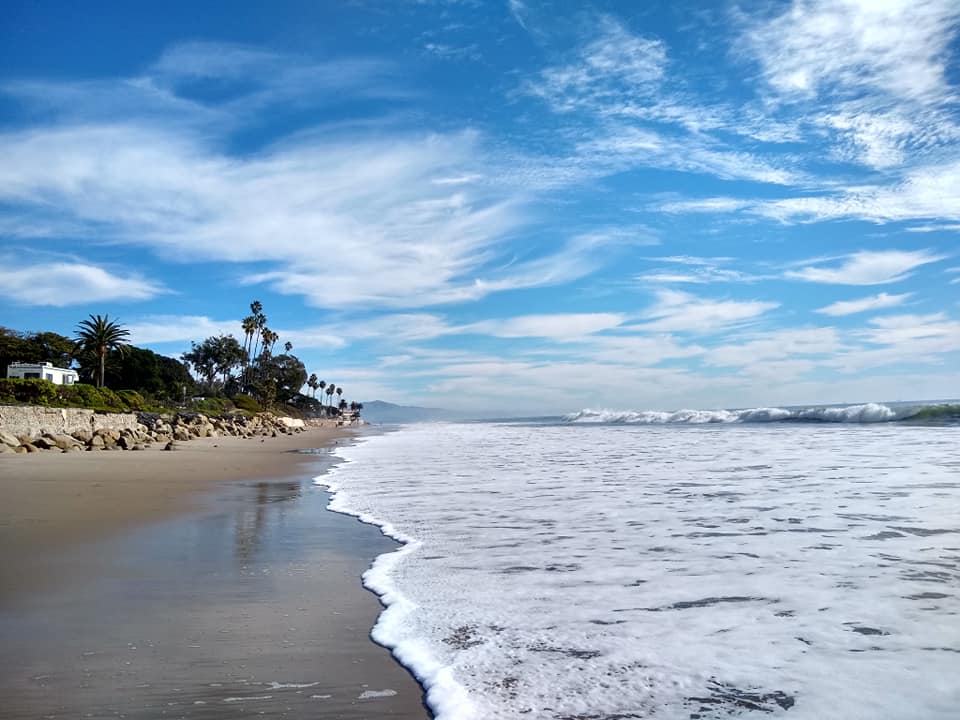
331 389
322 384
98 336
312 383
287 346
249 325
340 393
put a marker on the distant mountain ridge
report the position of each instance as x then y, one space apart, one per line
379 411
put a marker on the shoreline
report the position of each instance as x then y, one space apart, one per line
80 532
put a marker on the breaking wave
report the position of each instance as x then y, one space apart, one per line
866 413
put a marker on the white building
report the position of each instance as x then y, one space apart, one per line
42 371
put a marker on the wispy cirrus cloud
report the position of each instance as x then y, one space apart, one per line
614 64
872 302
676 311
562 327
867 268
697 270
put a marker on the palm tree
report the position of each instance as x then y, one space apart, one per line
249 325
312 383
287 346
98 336
331 389
322 384
340 393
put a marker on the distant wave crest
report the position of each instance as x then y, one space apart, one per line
866 413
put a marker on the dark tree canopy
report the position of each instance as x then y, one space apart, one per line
34 347
150 373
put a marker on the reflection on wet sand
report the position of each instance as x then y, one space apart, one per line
253 605
249 523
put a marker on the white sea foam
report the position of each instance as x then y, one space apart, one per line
653 571
867 413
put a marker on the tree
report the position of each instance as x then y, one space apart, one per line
288 346
97 336
288 375
331 389
322 384
149 373
35 348
312 383
340 394
216 356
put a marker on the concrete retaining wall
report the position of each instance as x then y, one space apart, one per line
33 421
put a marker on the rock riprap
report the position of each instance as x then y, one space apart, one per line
151 428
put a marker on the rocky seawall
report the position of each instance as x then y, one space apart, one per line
26 429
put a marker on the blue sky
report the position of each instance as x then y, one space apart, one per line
512 206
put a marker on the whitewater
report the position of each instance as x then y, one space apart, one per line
585 570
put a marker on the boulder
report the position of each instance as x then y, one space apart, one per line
30 447
181 433
64 442
126 442
170 446
44 443
96 442
84 436
20 449
8 439
4 448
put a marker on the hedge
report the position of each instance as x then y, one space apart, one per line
44 392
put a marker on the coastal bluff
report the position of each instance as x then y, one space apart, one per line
28 429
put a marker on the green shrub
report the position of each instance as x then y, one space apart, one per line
132 399
33 392
213 406
247 403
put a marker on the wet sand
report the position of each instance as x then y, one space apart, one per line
210 582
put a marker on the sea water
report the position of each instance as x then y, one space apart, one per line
593 571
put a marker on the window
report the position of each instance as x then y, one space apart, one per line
31 376
50 377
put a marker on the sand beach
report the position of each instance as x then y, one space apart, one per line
207 582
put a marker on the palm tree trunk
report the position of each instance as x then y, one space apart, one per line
103 362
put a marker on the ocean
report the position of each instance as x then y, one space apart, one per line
751 563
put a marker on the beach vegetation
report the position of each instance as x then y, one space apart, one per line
97 336
218 375
48 394
246 403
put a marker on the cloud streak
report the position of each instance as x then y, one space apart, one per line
867 268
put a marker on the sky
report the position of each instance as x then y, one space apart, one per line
505 206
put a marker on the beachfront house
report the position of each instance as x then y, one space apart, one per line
43 371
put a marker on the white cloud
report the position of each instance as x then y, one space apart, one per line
900 329
873 302
844 47
778 345
62 283
158 329
615 64
357 222
867 268
697 271
560 327
628 146
676 311
151 329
